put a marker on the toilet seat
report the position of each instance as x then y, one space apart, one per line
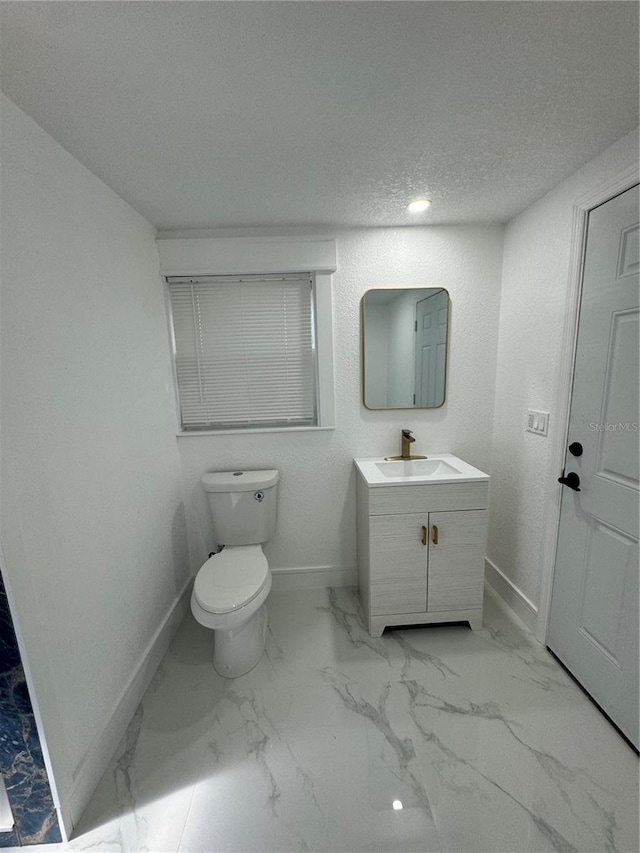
231 579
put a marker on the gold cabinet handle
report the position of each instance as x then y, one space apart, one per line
435 534
424 535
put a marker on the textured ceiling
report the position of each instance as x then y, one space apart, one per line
205 115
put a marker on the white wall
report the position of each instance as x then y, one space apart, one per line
532 317
92 511
317 490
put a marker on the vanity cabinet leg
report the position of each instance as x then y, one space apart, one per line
376 627
475 622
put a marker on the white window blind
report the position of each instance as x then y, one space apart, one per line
244 350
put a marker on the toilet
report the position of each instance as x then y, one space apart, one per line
231 588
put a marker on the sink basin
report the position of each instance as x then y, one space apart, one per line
425 468
437 468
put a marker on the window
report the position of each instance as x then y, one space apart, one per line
245 350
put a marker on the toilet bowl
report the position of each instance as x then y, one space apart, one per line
232 586
228 596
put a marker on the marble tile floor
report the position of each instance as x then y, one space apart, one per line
427 739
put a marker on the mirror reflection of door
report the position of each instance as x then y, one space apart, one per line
404 361
431 348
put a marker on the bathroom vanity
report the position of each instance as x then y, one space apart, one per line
422 530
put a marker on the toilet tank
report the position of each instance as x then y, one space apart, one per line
243 505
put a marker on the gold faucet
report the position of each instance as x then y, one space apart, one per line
407 440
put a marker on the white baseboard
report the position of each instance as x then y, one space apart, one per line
313 577
90 769
511 595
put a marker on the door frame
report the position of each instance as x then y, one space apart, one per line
551 526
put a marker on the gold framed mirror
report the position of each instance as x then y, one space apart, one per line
404 339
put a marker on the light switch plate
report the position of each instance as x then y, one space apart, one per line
537 422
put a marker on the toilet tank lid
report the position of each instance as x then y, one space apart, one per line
239 481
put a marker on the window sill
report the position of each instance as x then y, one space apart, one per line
250 431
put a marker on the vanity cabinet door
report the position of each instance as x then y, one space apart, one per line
456 562
397 564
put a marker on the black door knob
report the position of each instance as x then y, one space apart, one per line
575 448
571 480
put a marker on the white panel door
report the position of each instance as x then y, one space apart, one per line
431 348
593 626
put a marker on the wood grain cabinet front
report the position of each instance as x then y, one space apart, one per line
421 567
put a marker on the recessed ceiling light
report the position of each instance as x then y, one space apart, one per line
418 205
